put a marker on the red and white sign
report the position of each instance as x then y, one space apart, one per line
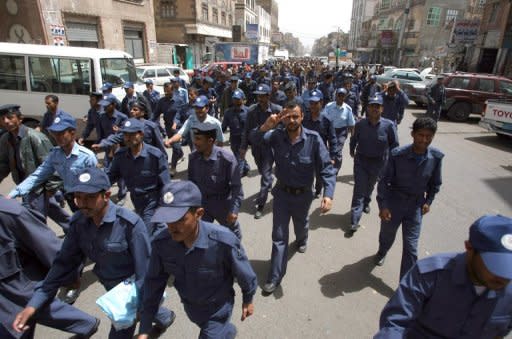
240 53
499 112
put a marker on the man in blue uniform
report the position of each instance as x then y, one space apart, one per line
131 97
235 118
28 250
249 86
109 124
107 92
411 180
179 92
93 115
311 86
457 295
152 95
369 91
143 168
208 91
343 120
112 237
204 259
169 105
394 101
52 112
436 96
262 154
370 145
216 172
327 88
352 97
152 135
298 153
317 121
201 107
66 159
290 90
276 95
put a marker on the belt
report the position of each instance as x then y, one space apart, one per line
409 195
292 190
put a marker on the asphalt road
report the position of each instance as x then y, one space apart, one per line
334 290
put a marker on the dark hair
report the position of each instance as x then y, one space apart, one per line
167 84
16 112
52 97
193 90
424 123
291 104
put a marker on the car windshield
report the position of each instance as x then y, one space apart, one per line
506 87
118 71
139 71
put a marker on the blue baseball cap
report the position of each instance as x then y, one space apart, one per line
208 79
200 101
491 236
373 77
376 99
132 125
176 199
128 84
341 90
205 128
90 180
148 82
262 89
316 95
9 108
248 75
238 94
106 86
108 100
63 122
234 78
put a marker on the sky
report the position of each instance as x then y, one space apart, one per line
312 19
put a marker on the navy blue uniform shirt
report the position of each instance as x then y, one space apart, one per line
374 141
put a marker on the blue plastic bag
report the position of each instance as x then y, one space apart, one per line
120 304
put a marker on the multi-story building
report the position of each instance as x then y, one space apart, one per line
272 8
493 47
188 30
112 24
255 23
362 10
427 36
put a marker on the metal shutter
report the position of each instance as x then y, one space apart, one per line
81 32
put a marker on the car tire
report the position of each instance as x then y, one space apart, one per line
419 104
503 136
459 111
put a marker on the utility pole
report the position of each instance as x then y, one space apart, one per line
401 35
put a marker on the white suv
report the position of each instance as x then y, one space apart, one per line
160 74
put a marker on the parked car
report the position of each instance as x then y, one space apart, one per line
466 93
497 117
410 82
160 74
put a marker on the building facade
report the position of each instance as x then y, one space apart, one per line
493 47
429 35
362 10
112 24
188 30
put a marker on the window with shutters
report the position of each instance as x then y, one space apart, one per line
215 16
204 12
434 16
168 9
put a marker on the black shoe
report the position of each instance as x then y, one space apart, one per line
71 296
317 193
302 248
159 329
91 332
269 287
379 259
366 209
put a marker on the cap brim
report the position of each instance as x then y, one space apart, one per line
59 128
314 99
169 214
498 263
85 189
200 106
374 102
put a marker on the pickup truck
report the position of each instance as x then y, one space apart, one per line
497 117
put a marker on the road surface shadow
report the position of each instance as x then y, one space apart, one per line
502 186
353 278
346 179
493 141
248 205
330 220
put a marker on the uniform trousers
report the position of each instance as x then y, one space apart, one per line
217 323
218 208
287 206
264 159
49 207
405 211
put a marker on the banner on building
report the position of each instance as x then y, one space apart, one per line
237 52
251 31
465 31
386 38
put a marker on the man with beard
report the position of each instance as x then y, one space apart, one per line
143 168
298 153
395 101
112 237
410 182
262 154
249 86
457 295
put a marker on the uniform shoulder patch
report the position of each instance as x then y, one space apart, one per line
127 215
224 236
154 151
435 263
399 150
436 153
